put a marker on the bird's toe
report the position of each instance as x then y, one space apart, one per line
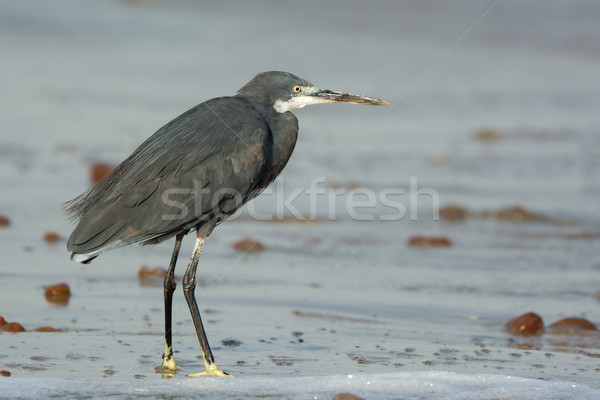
212 370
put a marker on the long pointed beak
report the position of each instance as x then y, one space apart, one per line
329 96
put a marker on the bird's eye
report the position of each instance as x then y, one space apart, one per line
297 89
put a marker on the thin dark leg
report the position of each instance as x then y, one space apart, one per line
189 286
169 288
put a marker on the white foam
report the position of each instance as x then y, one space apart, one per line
434 385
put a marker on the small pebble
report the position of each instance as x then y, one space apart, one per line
437 158
346 396
153 277
429 241
487 135
60 289
146 271
5 373
527 324
248 246
99 170
515 214
47 329
13 327
52 237
571 325
452 212
4 221
58 294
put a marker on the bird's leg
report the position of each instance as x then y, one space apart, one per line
170 285
189 286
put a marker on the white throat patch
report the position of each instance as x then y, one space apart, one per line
297 102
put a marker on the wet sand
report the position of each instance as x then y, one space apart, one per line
324 297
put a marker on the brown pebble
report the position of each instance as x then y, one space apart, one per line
4 221
429 241
13 327
452 212
315 240
248 246
353 186
52 237
152 277
145 271
516 214
527 324
346 396
2 321
487 135
99 170
58 294
4 372
47 329
60 289
437 158
574 324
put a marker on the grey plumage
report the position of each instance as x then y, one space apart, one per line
237 145
192 174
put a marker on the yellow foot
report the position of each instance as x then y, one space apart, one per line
169 363
168 360
212 370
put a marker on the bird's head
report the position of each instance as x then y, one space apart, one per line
285 92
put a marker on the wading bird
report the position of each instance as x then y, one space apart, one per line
192 174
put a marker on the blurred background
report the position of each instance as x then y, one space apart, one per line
494 107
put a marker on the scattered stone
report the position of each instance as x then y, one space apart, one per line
4 221
248 246
145 271
5 373
527 324
487 135
437 158
573 325
515 214
57 294
99 170
47 329
346 396
59 289
429 241
52 237
13 327
453 212
315 240
153 277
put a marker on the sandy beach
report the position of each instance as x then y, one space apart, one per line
493 108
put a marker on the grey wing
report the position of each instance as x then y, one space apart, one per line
203 174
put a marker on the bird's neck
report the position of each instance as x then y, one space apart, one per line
284 132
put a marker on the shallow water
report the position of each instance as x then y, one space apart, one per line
339 294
